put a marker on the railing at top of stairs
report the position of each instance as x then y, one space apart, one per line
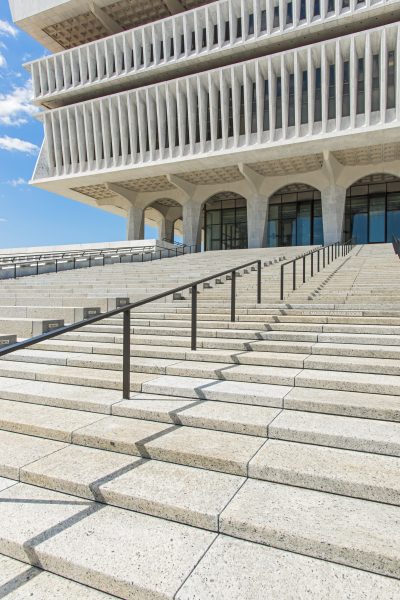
126 311
329 253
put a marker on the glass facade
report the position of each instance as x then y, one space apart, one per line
295 219
372 212
225 222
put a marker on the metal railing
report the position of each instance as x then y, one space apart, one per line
396 245
329 253
126 311
67 261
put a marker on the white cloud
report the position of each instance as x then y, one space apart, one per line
3 62
17 182
7 29
17 145
3 221
15 106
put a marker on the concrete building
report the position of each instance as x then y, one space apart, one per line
249 123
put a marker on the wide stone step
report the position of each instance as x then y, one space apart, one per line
222 416
233 569
101 378
352 404
351 433
230 372
152 487
204 448
18 580
97 545
344 472
317 524
351 382
353 364
257 394
59 395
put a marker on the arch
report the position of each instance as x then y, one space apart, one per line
372 209
295 216
162 213
224 219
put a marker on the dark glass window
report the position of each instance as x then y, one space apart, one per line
391 80
376 92
360 86
304 98
332 92
295 218
251 24
303 11
291 111
289 13
346 90
317 99
372 212
225 223
266 106
242 127
278 107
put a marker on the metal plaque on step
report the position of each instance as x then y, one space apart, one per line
120 302
52 324
91 311
7 340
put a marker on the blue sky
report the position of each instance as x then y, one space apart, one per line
29 216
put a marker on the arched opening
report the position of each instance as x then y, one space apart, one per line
164 214
372 211
225 222
178 231
295 217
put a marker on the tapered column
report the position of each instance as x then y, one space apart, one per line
167 230
135 226
191 223
257 217
333 200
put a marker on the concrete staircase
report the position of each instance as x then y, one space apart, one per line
264 465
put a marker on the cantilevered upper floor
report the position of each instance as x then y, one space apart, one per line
214 35
63 24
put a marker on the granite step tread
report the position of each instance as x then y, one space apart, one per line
222 416
366 435
19 581
314 523
97 545
234 569
175 492
343 472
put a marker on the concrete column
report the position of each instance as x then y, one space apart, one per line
191 223
333 199
257 218
167 230
135 226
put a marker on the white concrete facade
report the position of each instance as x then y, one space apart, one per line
323 114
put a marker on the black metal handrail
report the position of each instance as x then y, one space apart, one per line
155 252
329 253
396 245
126 310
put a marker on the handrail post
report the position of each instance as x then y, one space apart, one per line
312 264
318 261
194 317
323 257
294 274
282 283
126 354
259 282
233 295
304 268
